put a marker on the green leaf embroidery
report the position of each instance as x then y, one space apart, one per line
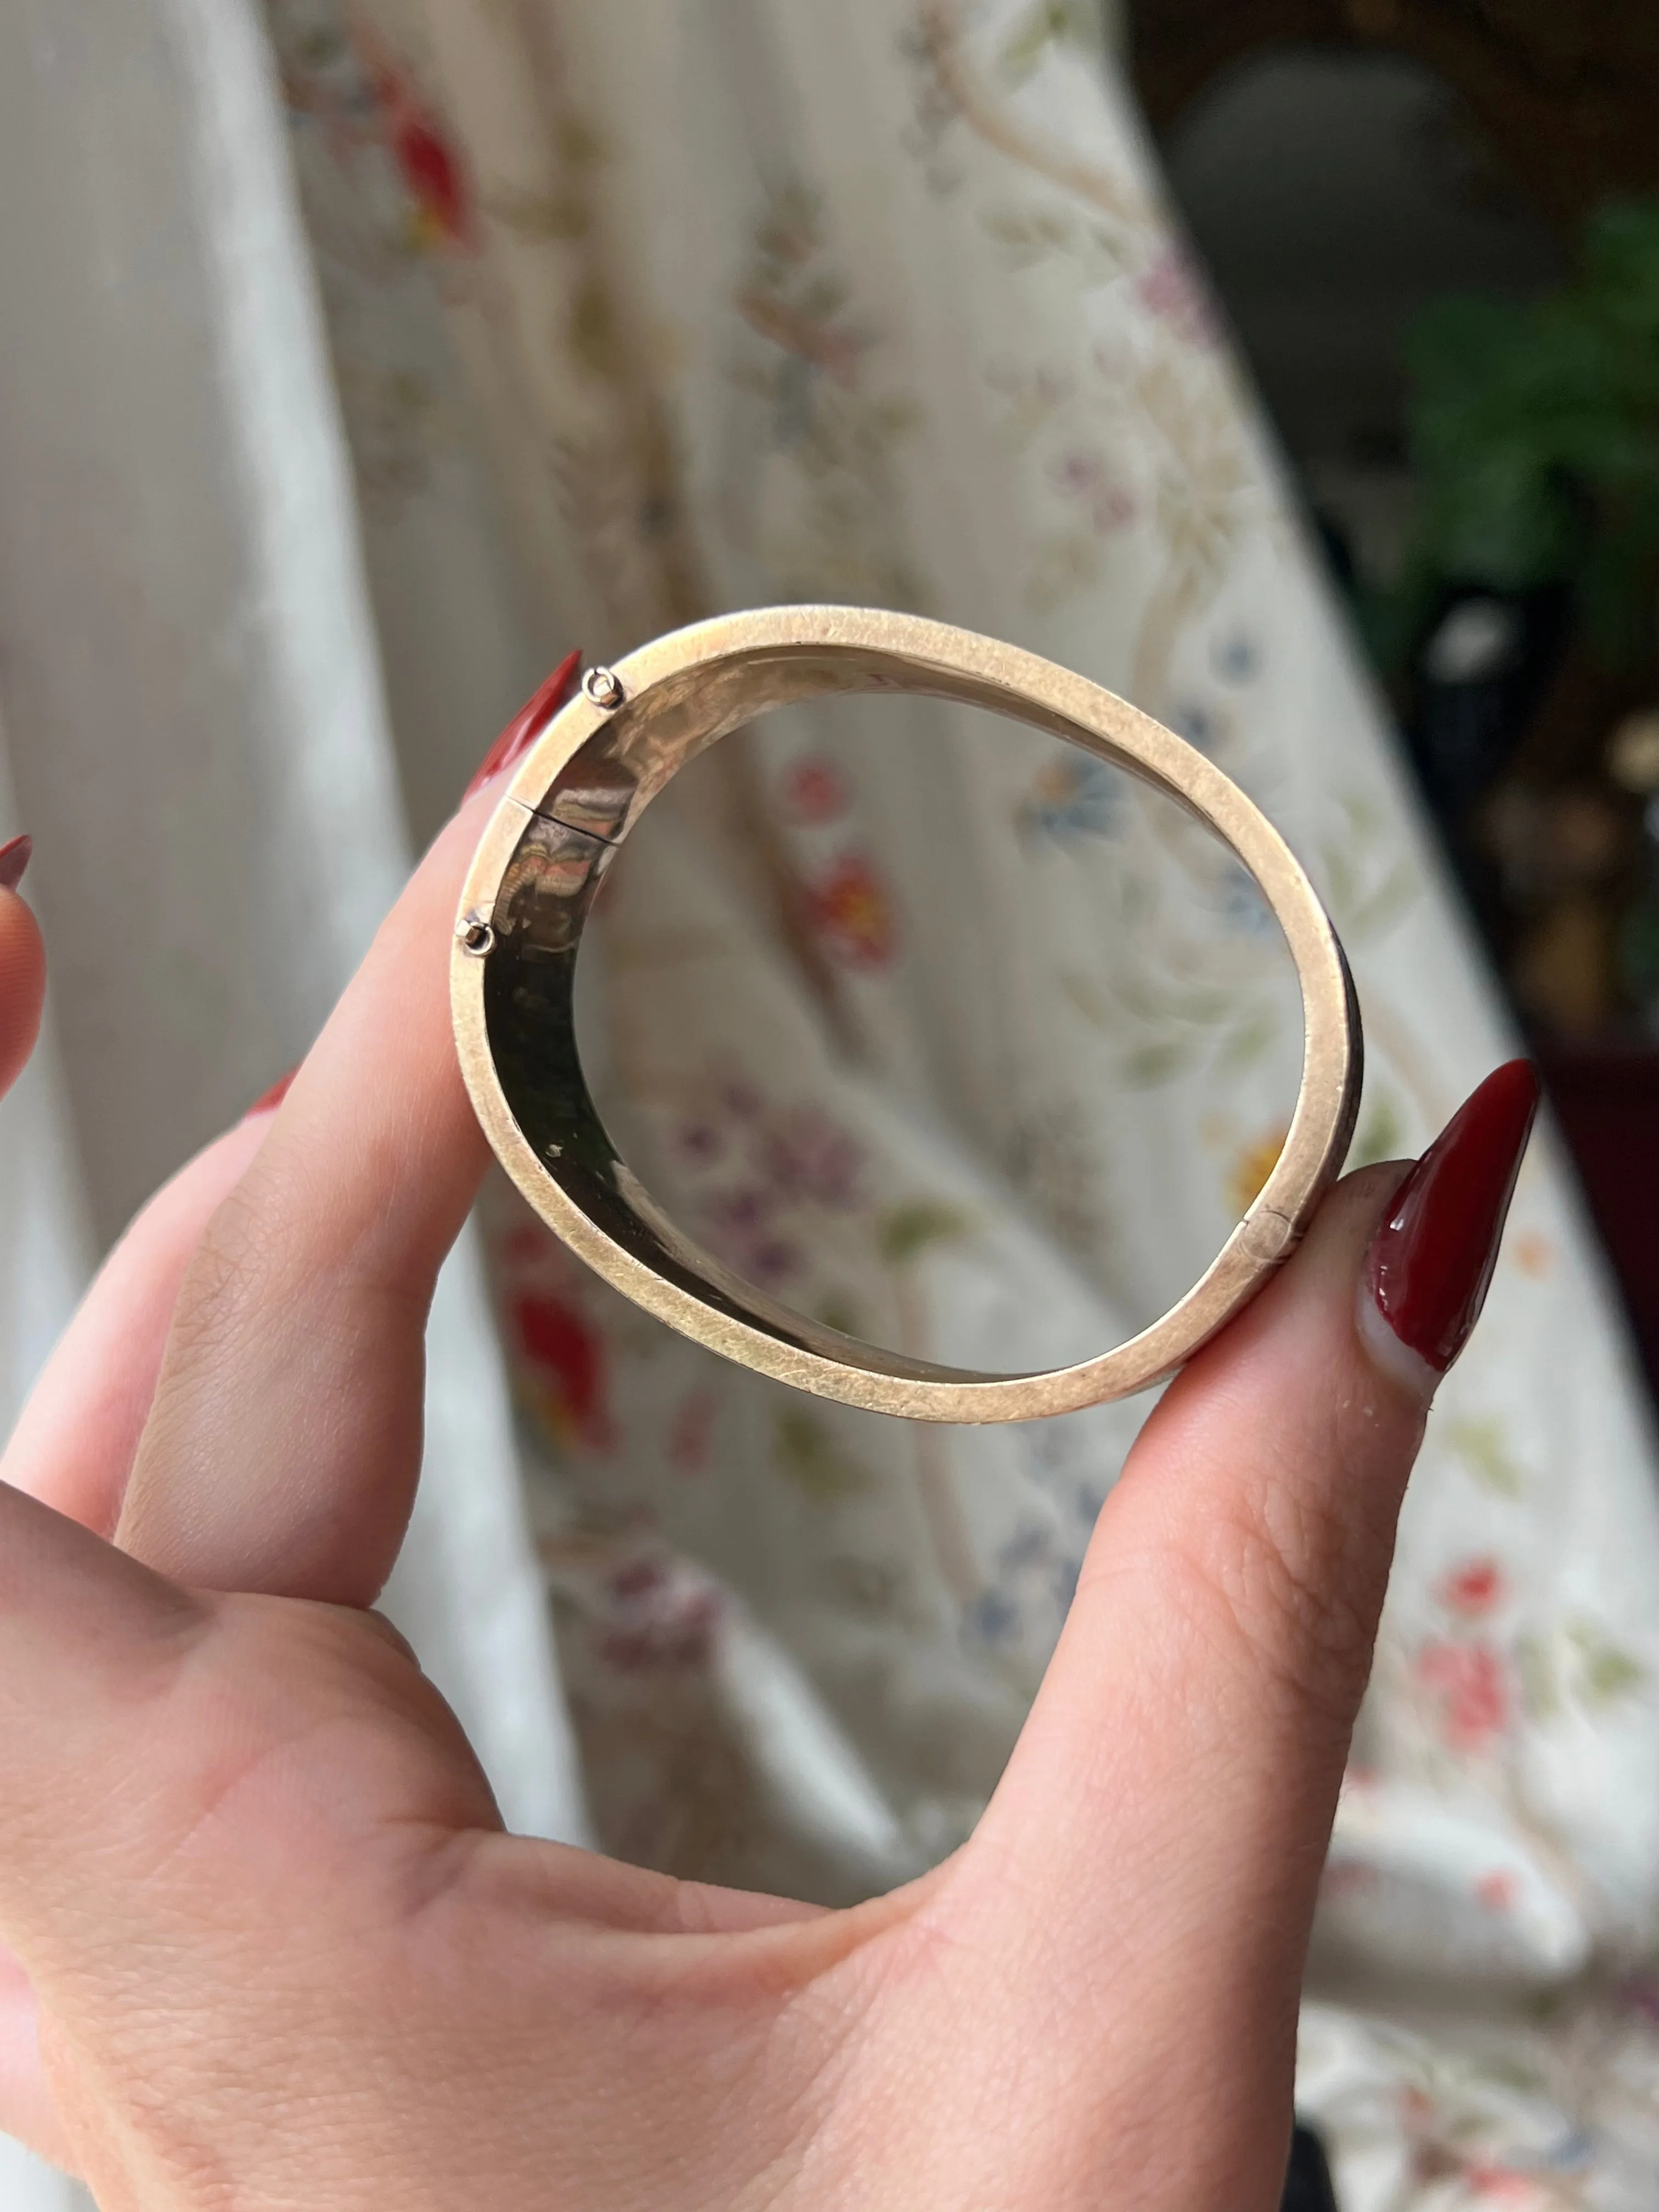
1049 22
1607 1670
809 1455
1380 1135
908 1229
1479 1443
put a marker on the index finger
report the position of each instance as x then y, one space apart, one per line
285 1441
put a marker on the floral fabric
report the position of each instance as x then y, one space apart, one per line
946 1033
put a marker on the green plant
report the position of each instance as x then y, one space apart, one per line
1534 432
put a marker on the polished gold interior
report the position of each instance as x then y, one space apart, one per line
545 852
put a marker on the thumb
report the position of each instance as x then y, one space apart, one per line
1153 1852
91 1642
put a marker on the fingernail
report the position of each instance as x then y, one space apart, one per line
1431 1263
527 725
269 1101
14 857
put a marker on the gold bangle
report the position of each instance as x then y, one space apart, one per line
574 798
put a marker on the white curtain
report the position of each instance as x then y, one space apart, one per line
638 310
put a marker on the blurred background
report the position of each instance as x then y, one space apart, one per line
1434 231
1289 367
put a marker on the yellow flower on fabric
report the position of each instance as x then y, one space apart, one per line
1248 1174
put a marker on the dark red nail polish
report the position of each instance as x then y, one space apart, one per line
527 725
14 856
269 1101
1431 1262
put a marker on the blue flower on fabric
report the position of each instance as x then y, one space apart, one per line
1074 795
1242 905
1196 723
1236 658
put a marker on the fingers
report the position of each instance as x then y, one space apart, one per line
86 1636
1188 1744
22 967
283 1444
74 1444
284 1441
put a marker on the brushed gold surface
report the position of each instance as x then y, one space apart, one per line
575 797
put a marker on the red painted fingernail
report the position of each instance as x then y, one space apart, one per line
271 1100
1431 1263
527 725
14 857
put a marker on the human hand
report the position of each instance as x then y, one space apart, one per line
274 1948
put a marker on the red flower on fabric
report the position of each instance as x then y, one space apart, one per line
1468 1682
431 171
1474 1588
852 911
434 178
813 791
566 1356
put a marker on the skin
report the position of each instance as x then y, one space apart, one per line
271 1946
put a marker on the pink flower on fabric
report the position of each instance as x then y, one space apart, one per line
806 1156
1177 296
1474 1588
699 1142
692 1434
1503 2184
1468 1682
1082 473
1497 1891
662 1620
813 791
741 1229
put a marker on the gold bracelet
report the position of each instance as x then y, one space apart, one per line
574 798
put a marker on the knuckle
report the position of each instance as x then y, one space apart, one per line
223 1283
1293 1576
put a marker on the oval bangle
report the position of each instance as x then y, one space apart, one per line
573 800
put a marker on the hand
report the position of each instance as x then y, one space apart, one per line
274 1949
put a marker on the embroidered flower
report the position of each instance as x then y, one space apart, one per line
1468 1683
1235 659
1248 1177
852 910
1194 722
1473 1588
1073 795
808 1158
813 792
693 1431
1533 1254
566 1359
1082 473
440 204
700 1143
741 1226
1176 294
661 1620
